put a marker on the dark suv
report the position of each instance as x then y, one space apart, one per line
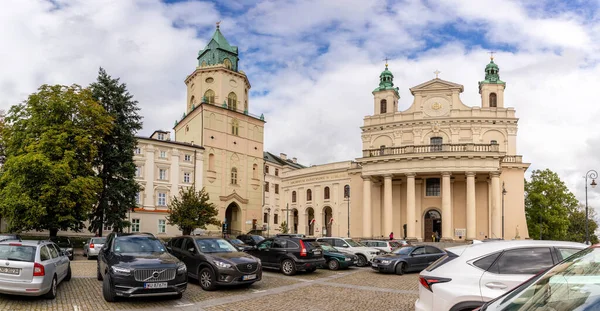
289 254
137 265
214 261
250 239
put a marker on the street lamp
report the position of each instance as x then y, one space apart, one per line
503 194
268 209
347 196
593 175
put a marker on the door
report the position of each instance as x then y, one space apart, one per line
428 230
190 255
417 260
263 251
278 251
55 262
512 268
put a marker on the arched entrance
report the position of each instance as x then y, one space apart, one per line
295 221
432 223
327 220
233 220
311 221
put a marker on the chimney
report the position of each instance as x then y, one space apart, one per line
295 160
283 156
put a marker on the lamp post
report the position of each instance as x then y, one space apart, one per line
593 175
347 196
503 194
268 209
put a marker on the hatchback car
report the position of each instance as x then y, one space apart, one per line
64 243
407 259
138 265
32 268
92 247
470 275
347 245
289 254
215 262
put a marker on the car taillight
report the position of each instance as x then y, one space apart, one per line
15 244
91 245
302 249
38 270
427 282
391 249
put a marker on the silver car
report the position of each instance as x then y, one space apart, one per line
92 247
32 268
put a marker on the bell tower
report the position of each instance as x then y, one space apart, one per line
386 95
492 88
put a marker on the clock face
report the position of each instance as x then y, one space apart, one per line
436 106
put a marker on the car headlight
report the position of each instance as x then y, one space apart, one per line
221 264
348 259
386 262
121 270
181 268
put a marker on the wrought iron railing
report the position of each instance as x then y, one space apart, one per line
416 149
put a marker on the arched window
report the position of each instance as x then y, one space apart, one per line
308 195
235 127
211 162
234 176
326 193
493 100
493 142
192 103
436 143
383 106
232 101
210 96
293 196
203 64
255 171
227 63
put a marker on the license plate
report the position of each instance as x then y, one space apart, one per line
317 252
155 285
374 265
14 271
249 277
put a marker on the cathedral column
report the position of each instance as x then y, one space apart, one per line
471 210
496 212
387 205
446 207
302 222
410 206
367 232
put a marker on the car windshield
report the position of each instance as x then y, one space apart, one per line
61 241
257 238
98 240
215 246
236 241
403 250
573 284
353 243
138 244
17 253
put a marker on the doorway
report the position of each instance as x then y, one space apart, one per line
327 222
232 220
432 223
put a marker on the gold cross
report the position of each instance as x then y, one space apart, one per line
437 72
491 55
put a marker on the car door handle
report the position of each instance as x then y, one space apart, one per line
495 285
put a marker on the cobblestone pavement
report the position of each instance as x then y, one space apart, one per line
354 289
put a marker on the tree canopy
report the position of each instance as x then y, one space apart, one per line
191 210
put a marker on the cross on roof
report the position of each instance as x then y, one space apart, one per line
218 23
491 54
386 62
437 72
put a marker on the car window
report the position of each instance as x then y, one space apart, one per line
53 250
17 252
215 245
265 244
419 251
138 244
177 243
44 253
403 250
279 243
432 250
395 244
339 243
381 244
353 243
567 252
98 240
187 244
523 261
485 262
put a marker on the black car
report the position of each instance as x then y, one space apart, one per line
239 244
289 254
406 259
214 261
138 265
64 243
250 239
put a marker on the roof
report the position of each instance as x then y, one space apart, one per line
269 157
222 42
495 246
180 143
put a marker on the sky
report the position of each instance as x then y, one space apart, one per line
313 64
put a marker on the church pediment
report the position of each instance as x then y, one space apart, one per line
436 85
233 196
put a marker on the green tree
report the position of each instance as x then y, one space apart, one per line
576 231
114 162
548 204
51 139
2 156
191 210
283 227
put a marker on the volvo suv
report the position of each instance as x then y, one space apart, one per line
138 265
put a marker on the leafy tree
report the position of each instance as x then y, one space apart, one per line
114 162
576 231
191 210
548 204
51 139
283 227
2 156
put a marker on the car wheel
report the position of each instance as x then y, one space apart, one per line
68 277
107 290
333 264
206 277
98 274
288 267
51 294
89 257
362 260
400 268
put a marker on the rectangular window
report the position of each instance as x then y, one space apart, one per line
137 150
161 136
266 169
162 226
162 199
265 218
138 171
162 174
187 157
106 227
275 219
432 187
138 198
266 186
186 178
276 172
163 154
277 188
135 225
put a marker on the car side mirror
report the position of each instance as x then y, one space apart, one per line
192 250
84 243
345 245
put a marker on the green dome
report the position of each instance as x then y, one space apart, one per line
386 81
492 74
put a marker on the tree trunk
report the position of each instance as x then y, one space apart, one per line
53 232
187 231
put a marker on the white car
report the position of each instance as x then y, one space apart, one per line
92 247
470 275
347 245
385 246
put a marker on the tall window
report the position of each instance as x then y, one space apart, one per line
254 171
234 176
162 174
192 103
211 162
276 172
209 95
138 150
162 226
266 169
436 143
265 218
234 127
162 199
277 188
187 177
232 101
266 186
493 100
138 171
187 158
161 136
308 195
293 196
135 225
326 193
138 198
227 63
383 107
163 154
432 187
275 219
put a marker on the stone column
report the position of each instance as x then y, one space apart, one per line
367 232
471 210
410 207
446 208
387 205
302 221
496 208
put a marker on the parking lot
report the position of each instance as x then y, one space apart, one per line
354 289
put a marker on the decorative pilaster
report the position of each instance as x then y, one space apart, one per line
471 210
446 207
410 207
496 231
387 204
367 232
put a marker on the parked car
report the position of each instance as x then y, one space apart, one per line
289 254
250 239
384 246
138 265
470 275
291 235
570 285
365 254
64 243
32 268
407 259
10 237
215 262
239 244
335 260
92 247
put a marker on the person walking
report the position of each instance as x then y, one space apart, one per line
437 237
392 236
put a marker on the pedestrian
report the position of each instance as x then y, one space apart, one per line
437 236
392 236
